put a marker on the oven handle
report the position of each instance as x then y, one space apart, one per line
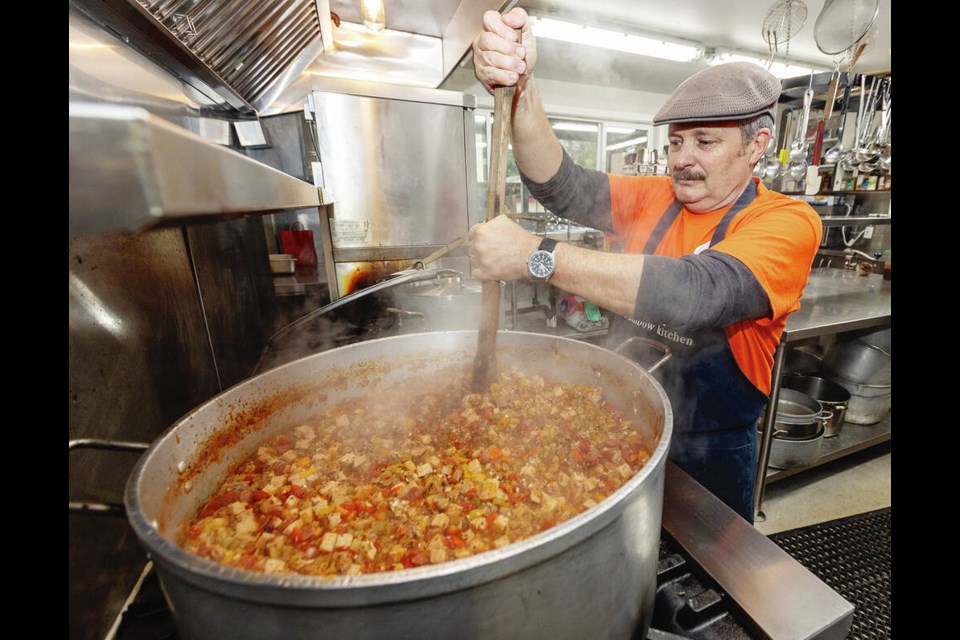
103 508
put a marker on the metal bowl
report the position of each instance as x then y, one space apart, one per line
858 362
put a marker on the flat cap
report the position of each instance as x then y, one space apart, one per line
729 91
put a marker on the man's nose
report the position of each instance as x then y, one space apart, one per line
681 156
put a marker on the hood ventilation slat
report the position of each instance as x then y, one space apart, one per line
250 45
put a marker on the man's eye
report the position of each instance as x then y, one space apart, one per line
706 143
675 144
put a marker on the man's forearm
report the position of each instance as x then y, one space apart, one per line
535 147
609 280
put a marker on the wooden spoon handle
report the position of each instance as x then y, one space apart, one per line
484 363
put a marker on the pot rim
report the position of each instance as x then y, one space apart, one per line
418 582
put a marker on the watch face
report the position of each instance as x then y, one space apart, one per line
541 264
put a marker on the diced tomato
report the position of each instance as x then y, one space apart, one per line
365 507
259 495
296 491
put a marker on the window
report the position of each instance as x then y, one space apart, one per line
582 140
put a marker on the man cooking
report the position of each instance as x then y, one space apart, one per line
713 262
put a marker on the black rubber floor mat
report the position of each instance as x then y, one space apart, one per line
852 556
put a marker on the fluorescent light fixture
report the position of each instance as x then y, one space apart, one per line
654 47
779 69
620 129
627 143
373 14
575 126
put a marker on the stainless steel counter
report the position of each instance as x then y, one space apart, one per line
781 597
837 300
834 301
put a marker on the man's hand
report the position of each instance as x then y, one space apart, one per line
499 250
498 58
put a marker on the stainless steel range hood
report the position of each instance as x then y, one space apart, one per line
235 53
239 56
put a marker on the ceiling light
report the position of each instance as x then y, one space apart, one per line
654 47
373 14
779 69
575 126
620 129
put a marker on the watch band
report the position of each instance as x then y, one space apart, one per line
547 244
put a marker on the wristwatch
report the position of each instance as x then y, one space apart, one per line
542 262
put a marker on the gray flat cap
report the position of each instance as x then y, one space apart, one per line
730 91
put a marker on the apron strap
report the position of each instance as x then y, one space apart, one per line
748 196
670 215
666 219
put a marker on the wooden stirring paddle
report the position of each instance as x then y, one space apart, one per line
484 363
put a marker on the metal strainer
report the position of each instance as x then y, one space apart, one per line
782 22
843 23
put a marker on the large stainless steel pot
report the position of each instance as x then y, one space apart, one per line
593 576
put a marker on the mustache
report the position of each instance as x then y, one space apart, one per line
689 174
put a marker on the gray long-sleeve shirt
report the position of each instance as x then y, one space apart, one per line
710 289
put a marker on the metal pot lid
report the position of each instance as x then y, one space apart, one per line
443 286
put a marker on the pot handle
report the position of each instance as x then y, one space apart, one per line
650 343
824 418
103 508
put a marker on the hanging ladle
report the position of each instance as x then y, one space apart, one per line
848 162
773 166
836 152
798 151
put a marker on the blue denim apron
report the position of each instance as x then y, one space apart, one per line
715 407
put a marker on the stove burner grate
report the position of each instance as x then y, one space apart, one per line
852 556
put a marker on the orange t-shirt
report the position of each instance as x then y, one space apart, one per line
776 237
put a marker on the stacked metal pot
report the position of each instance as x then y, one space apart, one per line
862 366
799 430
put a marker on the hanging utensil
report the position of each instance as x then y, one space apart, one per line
827 112
836 152
862 151
484 364
849 161
842 24
782 21
798 151
774 163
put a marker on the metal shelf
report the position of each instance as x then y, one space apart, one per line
852 438
834 301
844 221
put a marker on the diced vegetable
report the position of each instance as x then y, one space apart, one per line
418 474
